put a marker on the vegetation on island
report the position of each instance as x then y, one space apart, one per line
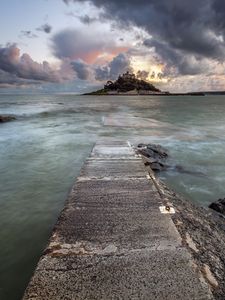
128 82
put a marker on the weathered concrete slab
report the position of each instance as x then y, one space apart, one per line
111 240
108 151
139 275
112 168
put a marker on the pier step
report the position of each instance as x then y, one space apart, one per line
112 242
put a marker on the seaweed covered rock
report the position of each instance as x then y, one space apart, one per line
218 206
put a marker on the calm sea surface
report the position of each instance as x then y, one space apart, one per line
42 152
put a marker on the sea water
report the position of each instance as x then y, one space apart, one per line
41 154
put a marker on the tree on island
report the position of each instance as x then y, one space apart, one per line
128 82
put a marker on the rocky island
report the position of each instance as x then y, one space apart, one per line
128 84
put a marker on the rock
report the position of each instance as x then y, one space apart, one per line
156 166
155 156
152 150
6 118
157 150
151 160
141 145
145 152
218 206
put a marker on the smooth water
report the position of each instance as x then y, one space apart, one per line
42 152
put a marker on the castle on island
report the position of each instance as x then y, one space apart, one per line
128 76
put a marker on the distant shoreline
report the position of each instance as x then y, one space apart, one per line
152 94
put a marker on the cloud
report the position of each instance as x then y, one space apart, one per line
194 84
45 28
82 69
83 44
177 62
21 69
191 29
119 65
142 74
87 20
102 73
74 44
8 80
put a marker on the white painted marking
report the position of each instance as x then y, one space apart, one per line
163 210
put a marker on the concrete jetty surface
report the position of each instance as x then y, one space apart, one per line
112 241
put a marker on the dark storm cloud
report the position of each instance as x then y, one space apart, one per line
187 28
119 65
18 68
45 28
177 62
82 69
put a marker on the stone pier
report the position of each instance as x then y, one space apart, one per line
113 240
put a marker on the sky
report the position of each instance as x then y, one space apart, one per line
76 46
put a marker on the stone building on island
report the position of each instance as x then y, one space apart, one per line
128 76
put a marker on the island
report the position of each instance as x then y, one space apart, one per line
128 84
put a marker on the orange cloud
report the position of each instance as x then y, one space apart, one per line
90 57
102 57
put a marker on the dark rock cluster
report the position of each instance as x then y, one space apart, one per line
155 156
218 206
5 118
